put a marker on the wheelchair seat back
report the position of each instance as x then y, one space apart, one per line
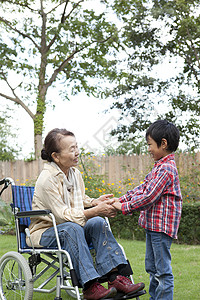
22 200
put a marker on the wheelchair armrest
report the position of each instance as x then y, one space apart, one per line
33 213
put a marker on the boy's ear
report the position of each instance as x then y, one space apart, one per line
164 143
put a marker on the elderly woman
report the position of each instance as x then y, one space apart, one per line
61 189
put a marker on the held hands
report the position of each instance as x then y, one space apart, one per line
104 207
101 199
107 207
116 204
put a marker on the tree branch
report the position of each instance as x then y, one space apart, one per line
65 62
19 102
54 8
102 41
188 59
62 21
15 98
59 69
63 18
62 66
18 31
75 6
22 5
63 14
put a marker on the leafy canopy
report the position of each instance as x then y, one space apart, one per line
161 75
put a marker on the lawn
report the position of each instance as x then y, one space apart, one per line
185 264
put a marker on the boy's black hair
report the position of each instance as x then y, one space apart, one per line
162 129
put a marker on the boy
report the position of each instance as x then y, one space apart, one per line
160 202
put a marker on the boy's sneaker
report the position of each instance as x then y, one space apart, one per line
123 284
97 291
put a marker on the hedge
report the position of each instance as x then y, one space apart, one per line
189 231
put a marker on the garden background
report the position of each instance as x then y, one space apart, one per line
117 174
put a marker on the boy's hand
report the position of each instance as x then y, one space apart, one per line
117 205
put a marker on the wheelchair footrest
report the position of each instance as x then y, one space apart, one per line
121 295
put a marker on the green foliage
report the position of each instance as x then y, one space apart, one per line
190 185
189 230
157 34
95 185
7 151
121 42
126 227
127 147
7 221
31 157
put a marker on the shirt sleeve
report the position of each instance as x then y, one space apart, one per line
148 194
137 190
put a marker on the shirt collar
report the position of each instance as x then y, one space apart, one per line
165 159
53 170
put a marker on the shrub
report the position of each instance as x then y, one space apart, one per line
189 230
7 221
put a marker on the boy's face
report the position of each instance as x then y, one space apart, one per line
155 151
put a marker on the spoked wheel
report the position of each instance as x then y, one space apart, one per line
15 277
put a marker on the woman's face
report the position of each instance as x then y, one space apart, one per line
68 155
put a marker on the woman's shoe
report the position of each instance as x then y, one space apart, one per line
97 291
123 284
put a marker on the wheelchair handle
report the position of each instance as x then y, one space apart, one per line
6 181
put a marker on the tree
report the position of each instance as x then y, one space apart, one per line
161 32
54 40
7 151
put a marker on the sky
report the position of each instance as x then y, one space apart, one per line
82 115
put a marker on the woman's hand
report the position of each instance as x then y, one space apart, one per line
101 199
105 208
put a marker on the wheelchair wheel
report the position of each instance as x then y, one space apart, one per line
15 277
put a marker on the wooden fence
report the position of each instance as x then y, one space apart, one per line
114 167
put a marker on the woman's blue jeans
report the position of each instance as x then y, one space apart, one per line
75 239
158 265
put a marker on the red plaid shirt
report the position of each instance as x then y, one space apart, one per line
158 198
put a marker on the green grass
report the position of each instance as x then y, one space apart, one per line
185 264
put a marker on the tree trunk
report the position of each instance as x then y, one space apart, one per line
42 90
39 122
38 145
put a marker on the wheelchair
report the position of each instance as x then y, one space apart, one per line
42 270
